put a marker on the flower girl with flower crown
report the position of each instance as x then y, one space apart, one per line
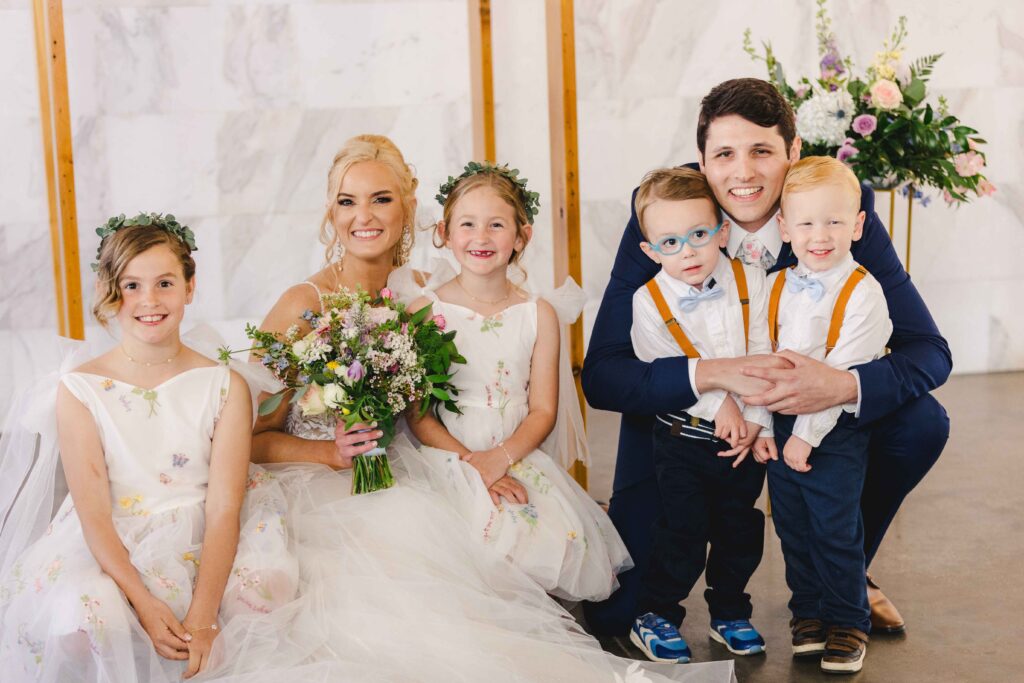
508 392
167 534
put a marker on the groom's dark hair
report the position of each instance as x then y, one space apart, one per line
751 98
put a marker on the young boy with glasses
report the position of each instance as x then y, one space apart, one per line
701 304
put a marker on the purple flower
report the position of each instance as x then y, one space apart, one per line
845 152
356 371
865 124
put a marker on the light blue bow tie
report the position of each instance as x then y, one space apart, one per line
687 304
814 288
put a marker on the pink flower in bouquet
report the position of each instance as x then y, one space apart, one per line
356 371
801 90
885 94
845 152
985 188
969 164
312 402
386 293
865 124
440 321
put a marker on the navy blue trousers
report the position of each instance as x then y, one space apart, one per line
818 521
904 445
706 501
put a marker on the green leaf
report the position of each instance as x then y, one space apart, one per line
270 405
440 393
438 379
420 315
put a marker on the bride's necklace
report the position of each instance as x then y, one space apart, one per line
147 363
508 293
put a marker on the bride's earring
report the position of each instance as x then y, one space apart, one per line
339 252
405 247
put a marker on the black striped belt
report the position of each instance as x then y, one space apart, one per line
686 425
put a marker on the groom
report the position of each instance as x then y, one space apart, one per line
746 139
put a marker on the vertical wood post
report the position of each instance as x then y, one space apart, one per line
565 199
481 74
55 115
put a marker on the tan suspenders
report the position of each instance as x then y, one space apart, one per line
673 325
838 310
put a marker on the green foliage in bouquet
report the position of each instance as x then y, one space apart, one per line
364 360
880 123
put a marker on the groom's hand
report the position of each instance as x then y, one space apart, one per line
728 374
804 386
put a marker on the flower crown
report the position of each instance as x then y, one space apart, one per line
531 200
167 223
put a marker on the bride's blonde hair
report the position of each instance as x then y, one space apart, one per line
372 148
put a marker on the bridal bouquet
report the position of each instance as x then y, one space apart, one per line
365 360
879 123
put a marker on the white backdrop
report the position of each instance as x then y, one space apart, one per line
227 113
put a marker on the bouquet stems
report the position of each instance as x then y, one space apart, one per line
371 472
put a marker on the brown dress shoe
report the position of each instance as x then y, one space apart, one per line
885 618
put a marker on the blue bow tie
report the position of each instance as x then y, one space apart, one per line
814 288
687 304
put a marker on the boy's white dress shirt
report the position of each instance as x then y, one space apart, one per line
803 327
714 327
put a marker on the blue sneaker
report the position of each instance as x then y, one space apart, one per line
739 636
659 640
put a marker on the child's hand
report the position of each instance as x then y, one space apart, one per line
491 464
199 649
729 425
743 445
509 488
170 639
765 449
796 452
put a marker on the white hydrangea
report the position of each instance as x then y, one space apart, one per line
825 118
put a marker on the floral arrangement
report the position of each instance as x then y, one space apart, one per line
531 200
168 223
879 123
365 360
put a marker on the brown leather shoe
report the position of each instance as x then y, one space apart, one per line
808 637
885 618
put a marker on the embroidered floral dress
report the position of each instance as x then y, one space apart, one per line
62 618
560 538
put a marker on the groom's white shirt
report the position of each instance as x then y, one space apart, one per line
768 234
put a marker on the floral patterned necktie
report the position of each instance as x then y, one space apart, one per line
753 253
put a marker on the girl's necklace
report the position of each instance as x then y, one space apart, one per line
508 293
149 364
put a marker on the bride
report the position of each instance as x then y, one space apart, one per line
392 587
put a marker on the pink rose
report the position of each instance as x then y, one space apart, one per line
885 94
440 321
985 188
386 293
969 164
312 402
845 152
865 124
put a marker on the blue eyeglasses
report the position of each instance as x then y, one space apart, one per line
696 238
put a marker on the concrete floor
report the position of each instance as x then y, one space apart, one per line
952 560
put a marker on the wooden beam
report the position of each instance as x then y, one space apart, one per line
55 115
481 75
565 198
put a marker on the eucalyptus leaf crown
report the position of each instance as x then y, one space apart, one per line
166 223
531 200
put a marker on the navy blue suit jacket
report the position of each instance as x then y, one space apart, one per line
613 378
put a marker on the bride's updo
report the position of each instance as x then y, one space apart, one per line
371 148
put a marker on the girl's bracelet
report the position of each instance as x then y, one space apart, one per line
212 627
501 445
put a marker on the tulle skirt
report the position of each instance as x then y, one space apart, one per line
63 619
393 588
560 538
